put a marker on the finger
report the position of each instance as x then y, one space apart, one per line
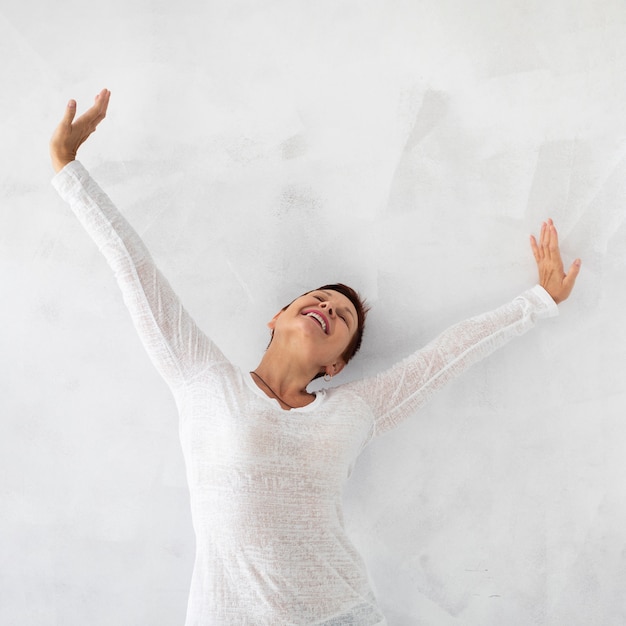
535 248
102 102
93 116
542 239
99 107
546 240
70 112
553 241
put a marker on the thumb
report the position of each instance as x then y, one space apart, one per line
570 277
70 112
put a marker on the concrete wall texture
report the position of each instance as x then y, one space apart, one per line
263 148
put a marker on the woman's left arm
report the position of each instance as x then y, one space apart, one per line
396 393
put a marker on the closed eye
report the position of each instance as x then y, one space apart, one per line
322 299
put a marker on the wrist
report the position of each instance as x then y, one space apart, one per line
59 163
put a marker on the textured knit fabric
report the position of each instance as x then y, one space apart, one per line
266 483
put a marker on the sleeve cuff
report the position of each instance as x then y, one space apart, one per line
550 307
65 180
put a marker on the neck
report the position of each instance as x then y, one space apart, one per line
284 378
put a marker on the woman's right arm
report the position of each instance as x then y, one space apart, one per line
175 344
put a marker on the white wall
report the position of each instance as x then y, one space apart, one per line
261 148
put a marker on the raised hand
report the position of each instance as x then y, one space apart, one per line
69 135
552 277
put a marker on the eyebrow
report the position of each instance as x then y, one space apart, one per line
343 308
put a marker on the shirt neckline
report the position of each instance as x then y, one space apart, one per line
319 396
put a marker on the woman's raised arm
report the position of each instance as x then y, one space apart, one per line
396 393
177 347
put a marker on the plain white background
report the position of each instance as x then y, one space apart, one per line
261 148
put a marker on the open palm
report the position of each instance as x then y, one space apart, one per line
552 276
70 134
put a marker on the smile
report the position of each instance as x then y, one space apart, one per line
319 318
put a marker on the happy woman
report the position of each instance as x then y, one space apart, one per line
267 459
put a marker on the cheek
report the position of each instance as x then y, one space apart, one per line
347 337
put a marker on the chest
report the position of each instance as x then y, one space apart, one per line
244 433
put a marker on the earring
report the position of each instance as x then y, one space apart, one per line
327 377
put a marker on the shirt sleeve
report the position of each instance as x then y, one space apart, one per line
175 344
396 393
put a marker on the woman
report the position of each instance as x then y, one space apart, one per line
266 459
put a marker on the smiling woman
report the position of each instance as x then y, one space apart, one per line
266 459
346 304
311 337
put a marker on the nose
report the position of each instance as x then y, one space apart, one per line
328 307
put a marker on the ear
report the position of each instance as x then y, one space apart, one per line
272 323
335 368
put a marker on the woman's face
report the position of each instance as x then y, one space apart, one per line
320 323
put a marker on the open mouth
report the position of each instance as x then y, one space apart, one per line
320 319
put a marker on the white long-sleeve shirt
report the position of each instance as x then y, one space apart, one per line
266 483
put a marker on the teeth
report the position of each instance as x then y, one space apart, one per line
319 318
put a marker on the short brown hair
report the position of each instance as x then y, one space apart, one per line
361 307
